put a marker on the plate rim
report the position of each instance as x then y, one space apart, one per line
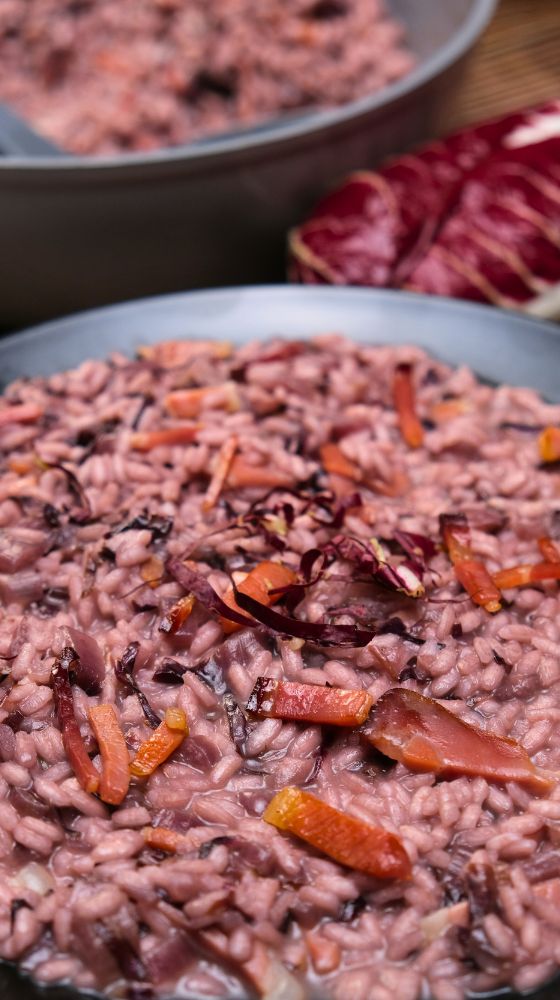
220 295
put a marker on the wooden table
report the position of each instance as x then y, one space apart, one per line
516 63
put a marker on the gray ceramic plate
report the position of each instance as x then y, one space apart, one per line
502 346
499 346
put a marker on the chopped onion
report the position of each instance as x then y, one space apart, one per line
18 550
89 669
279 984
440 921
36 878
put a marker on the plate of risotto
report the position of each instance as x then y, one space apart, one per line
280 650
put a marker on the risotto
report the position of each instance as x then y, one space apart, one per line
280 690
101 77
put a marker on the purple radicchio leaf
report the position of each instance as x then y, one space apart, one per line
170 672
124 669
418 548
317 632
198 585
81 513
89 666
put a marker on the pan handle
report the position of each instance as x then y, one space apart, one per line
17 138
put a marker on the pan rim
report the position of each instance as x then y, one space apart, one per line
278 133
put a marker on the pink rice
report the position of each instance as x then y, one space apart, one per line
246 907
102 77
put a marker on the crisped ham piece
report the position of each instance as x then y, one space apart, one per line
368 849
309 703
425 736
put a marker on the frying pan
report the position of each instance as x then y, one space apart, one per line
84 231
499 346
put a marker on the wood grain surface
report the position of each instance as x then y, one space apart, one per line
516 63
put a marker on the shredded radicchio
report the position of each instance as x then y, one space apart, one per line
486 519
396 626
237 725
315 768
405 577
272 523
350 502
124 669
323 498
141 606
205 849
457 524
273 520
418 548
145 401
316 632
47 511
129 963
51 515
515 686
81 513
411 672
499 659
89 665
368 558
64 706
95 439
196 584
14 720
17 905
513 425
170 672
352 909
52 601
482 894
159 526
293 593
212 674
107 554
